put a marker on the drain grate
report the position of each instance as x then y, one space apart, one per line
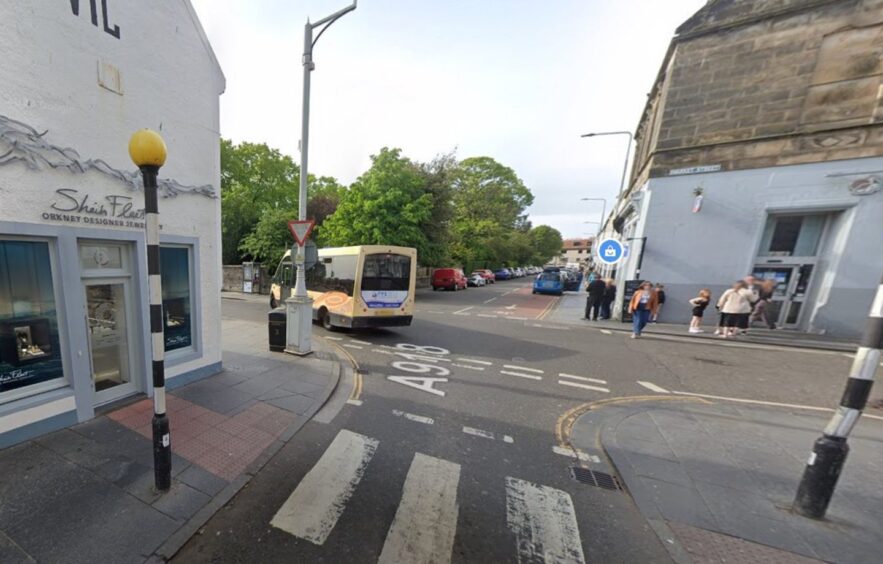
597 479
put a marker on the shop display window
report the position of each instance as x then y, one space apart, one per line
176 297
29 342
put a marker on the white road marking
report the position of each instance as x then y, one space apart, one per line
334 338
484 362
607 331
412 417
349 346
382 351
508 439
490 300
523 368
433 311
467 366
354 402
582 378
358 342
513 306
313 508
544 523
518 318
478 433
529 376
653 387
584 386
425 523
584 456
423 384
465 309
486 315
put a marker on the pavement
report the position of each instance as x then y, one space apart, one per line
85 494
716 481
571 308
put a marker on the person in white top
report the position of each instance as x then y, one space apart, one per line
735 304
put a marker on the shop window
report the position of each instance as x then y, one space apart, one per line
176 297
29 344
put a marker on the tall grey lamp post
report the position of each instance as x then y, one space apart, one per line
300 306
628 151
603 210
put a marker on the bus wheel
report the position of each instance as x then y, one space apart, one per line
325 319
273 303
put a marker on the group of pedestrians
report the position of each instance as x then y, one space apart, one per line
745 302
602 294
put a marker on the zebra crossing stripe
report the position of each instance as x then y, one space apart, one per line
313 508
544 523
426 520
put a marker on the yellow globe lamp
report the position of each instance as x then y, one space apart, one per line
147 148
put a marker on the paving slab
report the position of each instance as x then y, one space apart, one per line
731 475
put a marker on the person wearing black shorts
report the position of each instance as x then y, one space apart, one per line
735 307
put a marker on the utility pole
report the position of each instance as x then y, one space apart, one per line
829 451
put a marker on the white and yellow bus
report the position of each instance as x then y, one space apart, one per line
355 287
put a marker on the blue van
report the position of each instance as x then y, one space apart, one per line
548 283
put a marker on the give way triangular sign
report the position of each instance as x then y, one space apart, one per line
301 230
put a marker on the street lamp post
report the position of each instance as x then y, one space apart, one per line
148 152
300 306
628 151
603 210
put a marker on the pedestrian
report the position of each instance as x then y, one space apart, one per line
765 296
660 298
595 289
591 278
642 306
735 307
608 299
699 303
752 294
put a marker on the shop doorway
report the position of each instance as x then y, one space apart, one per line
110 321
792 284
788 254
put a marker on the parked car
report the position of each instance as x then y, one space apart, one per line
518 272
503 274
448 279
549 283
486 274
476 279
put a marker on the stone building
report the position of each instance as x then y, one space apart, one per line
78 78
760 150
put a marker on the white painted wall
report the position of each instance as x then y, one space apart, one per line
170 82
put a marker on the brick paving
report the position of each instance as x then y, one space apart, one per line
222 444
708 547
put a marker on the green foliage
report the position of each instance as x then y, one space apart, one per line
387 205
546 242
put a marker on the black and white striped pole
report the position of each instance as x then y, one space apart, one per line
829 452
148 151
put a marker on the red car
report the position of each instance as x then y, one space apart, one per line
449 278
486 274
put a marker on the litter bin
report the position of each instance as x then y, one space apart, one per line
277 324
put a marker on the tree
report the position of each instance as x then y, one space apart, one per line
546 242
385 206
438 177
270 237
254 178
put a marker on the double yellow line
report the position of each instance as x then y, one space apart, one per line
549 307
357 373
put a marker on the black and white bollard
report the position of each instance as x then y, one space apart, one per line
148 151
829 452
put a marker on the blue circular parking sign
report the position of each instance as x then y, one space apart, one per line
610 251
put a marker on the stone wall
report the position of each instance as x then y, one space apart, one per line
787 87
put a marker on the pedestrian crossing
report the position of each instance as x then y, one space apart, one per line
541 520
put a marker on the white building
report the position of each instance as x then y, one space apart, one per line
575 251
78 78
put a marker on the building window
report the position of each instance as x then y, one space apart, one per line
176 297
30 349
792 235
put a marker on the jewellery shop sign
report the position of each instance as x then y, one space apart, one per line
73 206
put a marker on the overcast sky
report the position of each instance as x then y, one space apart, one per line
516 80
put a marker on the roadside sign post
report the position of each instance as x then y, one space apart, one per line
299 307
